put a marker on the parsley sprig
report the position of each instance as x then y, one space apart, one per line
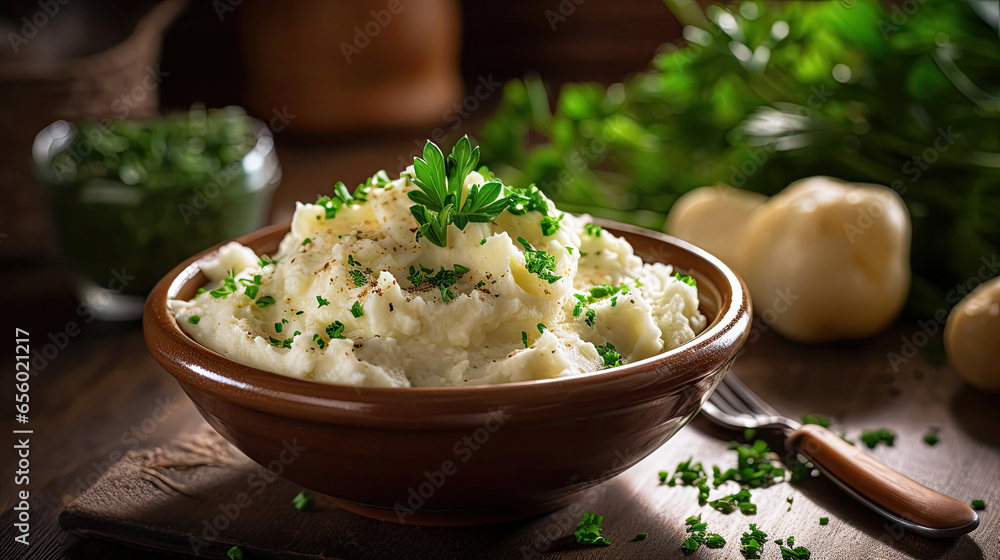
439 203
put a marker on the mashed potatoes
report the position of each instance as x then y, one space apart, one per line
353 298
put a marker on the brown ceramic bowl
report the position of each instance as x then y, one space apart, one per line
458 455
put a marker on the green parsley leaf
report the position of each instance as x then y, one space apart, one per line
641 537
265 301
303 501
978 504
321 301
686 279
307 240
194 319
591 318
356 310
610 356
550 225
541 328
588 531
200 291
824 520
483 242
524 338
358 277
235 553
335 330
277 327
871 438
593 230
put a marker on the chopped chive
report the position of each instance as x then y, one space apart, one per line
265 301
194 319
356 310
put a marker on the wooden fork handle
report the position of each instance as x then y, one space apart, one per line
894 492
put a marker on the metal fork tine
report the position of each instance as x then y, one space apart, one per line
755 403
721 403
735 405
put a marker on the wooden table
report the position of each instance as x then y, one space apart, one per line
103 394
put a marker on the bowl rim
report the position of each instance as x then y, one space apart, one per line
264 390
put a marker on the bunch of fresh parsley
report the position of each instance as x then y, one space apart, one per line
439 201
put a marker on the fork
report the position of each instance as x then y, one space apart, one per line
899 499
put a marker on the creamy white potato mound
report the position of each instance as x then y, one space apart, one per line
409 336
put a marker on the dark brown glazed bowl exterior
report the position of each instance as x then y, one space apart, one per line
458 455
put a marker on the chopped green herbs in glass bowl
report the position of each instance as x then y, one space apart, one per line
131 199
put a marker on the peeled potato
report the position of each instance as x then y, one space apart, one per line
972 337
713 218
827 260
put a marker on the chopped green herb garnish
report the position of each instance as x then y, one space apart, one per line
480 285
439 203
442 280
286 343
641 537
688 474
824 520
524 338
319 341
483 242
266 260
610 356
749 433
816 419
588 531
306 241
591 318
228 286
321 301
739 500
335 330
538 262
789 499
550 224
299 312
978 504
699 536
526 200
277 327
791 552
752 542
194 319
341 198
541 328
592 229
753 467
235 553
356 310
686 279
303 501
614 301
931 437
265 301
200 291
871 438
251 291
351 261
358 277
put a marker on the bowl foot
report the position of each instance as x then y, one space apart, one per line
454 518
